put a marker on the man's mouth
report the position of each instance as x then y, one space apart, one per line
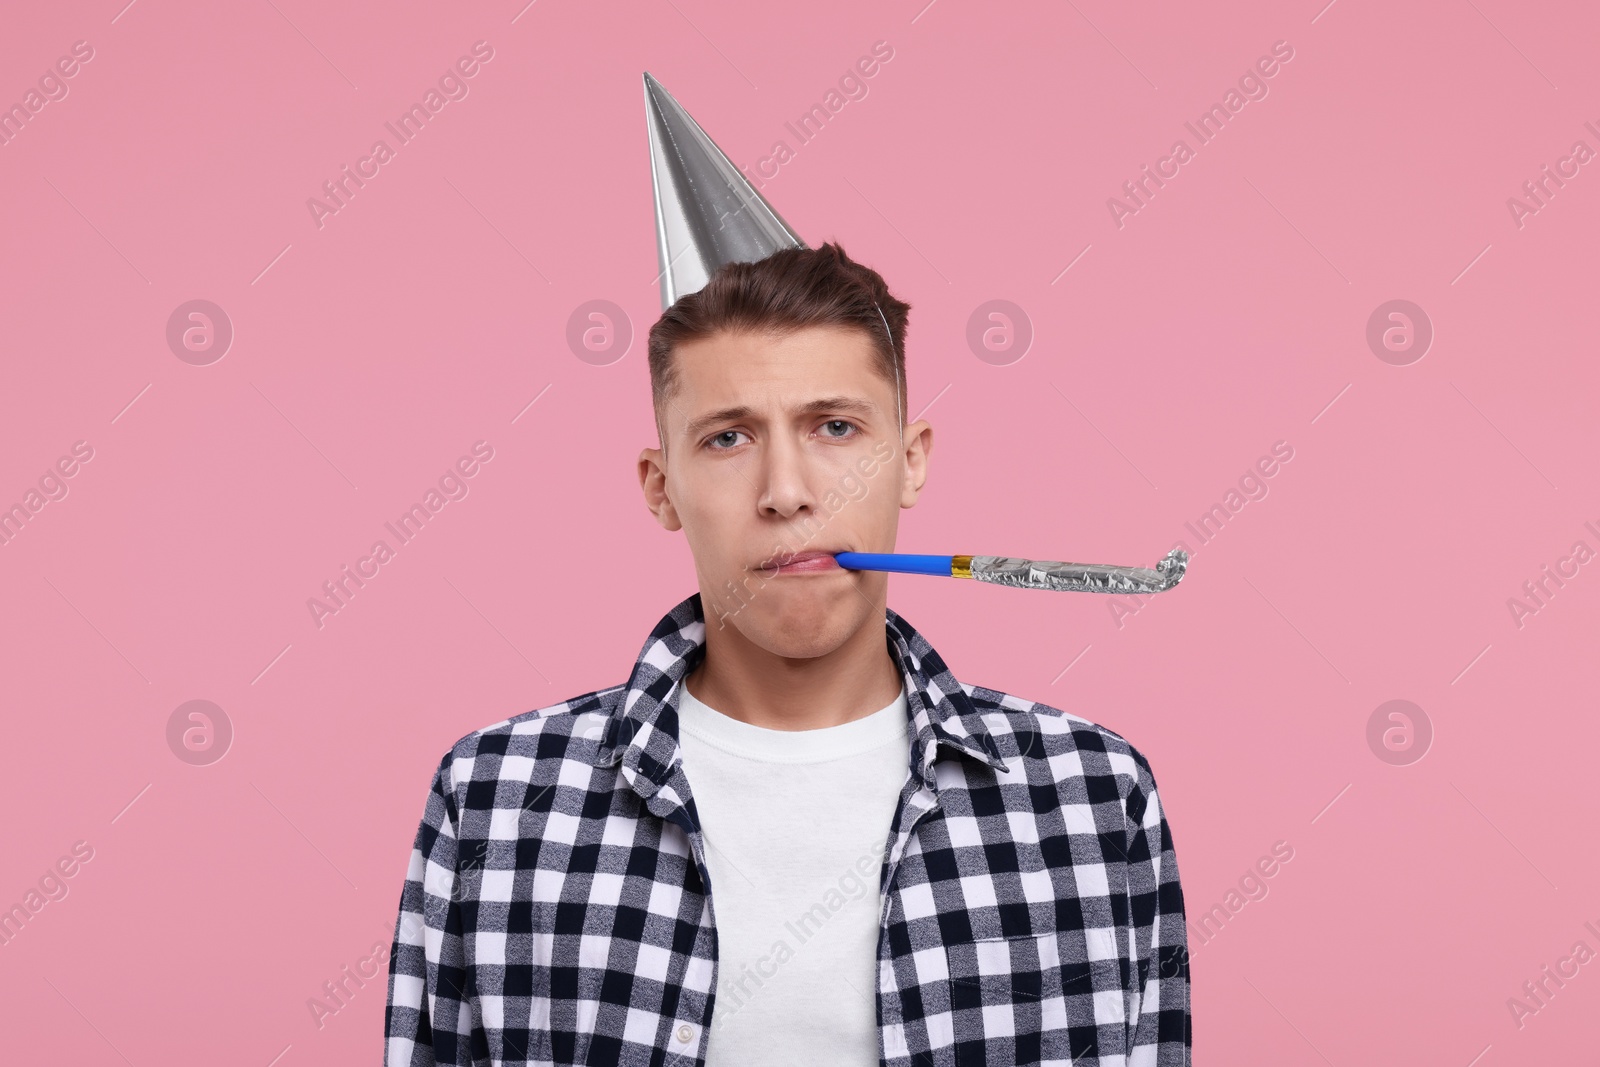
798 563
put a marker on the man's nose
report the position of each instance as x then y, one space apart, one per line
785 487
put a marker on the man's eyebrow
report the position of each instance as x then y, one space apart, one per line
842 404
845 404
701 424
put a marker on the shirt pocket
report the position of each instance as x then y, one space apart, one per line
1014 1002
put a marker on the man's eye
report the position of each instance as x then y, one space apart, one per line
726 439
837 428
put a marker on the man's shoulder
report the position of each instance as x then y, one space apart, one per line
545 736
1032 728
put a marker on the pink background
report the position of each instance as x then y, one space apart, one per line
1228 314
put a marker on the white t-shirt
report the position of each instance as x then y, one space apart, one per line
795 824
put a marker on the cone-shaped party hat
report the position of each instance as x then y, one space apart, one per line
707 213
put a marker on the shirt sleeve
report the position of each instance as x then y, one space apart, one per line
427 1021
1160 1024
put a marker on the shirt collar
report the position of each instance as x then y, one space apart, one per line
642 732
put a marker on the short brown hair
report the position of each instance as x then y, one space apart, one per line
789 290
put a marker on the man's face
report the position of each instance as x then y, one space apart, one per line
781 450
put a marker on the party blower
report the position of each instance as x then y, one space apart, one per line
1029 573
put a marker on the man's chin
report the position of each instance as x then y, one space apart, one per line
803 619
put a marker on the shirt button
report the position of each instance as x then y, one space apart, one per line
685 1033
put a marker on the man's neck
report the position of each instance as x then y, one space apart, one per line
746 682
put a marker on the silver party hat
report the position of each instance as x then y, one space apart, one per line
707 213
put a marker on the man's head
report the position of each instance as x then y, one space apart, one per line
778 399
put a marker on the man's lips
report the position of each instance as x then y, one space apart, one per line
799 563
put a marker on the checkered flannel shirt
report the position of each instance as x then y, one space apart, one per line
558 910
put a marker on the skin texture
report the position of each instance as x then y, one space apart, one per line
778 445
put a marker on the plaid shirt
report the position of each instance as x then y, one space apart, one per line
557 908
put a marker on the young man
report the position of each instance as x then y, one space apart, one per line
792 836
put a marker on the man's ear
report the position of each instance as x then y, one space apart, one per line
918 443
653 480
